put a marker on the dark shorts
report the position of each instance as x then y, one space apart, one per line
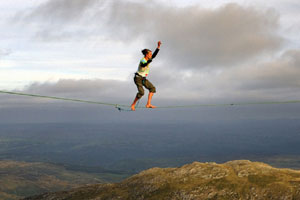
140 82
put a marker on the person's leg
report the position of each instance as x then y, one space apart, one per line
152 90
133 104
139 84
149 105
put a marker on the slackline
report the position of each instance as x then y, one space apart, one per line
121 107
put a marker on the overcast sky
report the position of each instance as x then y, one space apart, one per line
212 51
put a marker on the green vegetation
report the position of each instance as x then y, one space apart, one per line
261 180
229 181
22 179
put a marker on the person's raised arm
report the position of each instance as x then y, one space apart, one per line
156 50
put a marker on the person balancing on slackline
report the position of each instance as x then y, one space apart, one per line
140 77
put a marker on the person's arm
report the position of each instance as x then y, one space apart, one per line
153 55
145 63
156 50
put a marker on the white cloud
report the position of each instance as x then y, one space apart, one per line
4 52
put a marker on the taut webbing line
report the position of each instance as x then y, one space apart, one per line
118 106
234 104
64 99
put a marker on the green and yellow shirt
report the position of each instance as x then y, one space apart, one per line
143 69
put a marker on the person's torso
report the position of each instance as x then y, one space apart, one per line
143 71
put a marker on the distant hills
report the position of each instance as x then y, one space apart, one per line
240 179
21 179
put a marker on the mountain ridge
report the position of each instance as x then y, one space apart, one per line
239 179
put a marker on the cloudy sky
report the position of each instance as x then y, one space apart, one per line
212 51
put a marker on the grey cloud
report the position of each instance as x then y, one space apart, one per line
194 37
50 36
274 80
85 88
109 91
282 73
64 20
112 91
60 11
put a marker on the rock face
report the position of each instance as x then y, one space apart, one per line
234 180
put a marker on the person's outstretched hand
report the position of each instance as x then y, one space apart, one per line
158 44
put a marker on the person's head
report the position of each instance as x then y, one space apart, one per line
147 53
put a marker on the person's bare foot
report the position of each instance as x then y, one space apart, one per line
133 107
150 106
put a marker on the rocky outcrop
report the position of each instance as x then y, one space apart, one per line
234 180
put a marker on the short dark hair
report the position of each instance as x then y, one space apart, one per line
145 51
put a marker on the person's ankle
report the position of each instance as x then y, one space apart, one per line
133 107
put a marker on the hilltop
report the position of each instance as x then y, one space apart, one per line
241 179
